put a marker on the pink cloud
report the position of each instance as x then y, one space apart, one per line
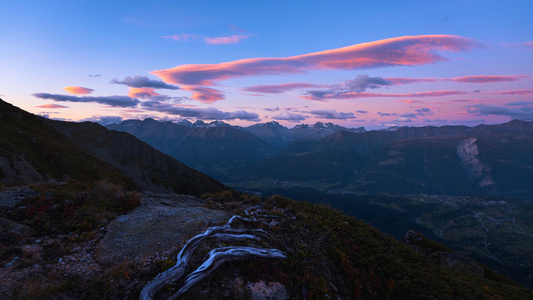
517 92
142 92
410 101
464 79
234 39
78 90
204 94
280 88
528 45
488 78
181 37
399 80
222 40
401 51
52 106
355 95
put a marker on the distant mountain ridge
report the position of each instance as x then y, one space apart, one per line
216 147
454 160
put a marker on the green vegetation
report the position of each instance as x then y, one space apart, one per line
331 254
73 208
461 223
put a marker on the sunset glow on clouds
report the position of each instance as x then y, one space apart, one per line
78 90
245 62
142 92
355 95
52 106
221 40
279 88
401 51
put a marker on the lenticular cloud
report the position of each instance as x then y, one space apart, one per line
401 51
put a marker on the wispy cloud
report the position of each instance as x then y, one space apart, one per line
517 92
528 45
151 94
464 79
401 80
488 78
144 82
209 113
424 111
280 88
401 51
224 40
103 120
204 94
52 106
288 116
332 114
142 93
352 95
386 114
363 82
78 90
524 112
116 101
435 120
220 40
520 103
410 101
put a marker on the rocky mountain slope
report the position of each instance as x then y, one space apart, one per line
37 150
32 152
149 168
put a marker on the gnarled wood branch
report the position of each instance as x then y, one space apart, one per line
218 256
225 232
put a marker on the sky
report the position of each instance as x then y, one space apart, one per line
375 64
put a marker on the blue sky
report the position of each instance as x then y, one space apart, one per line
468 62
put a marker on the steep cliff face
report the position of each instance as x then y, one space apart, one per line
478 172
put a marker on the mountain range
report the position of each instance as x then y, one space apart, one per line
449 160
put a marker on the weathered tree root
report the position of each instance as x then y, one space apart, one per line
224 232
221 255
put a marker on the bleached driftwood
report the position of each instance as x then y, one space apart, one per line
225 232
218 256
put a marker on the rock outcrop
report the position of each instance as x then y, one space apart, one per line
161 223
